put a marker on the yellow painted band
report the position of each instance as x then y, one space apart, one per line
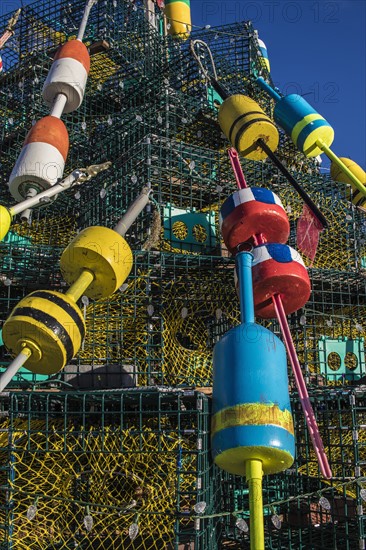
252 414
302 123
265 63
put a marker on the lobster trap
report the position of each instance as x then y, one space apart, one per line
114 451
84 469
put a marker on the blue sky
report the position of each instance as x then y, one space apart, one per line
317 49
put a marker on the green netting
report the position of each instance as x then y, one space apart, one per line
143 457
121 458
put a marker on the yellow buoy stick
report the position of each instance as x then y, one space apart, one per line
254 475
77 289
14 366
342 166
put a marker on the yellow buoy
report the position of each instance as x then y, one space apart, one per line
355 195
244 122
104 253
50 325
178 14
5 221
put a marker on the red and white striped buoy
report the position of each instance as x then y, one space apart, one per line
279 270
68 75
252 211
42 160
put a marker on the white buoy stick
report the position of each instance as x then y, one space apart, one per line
88 7
58 105
13 368
48 193
133 211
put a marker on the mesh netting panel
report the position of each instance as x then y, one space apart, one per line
119 464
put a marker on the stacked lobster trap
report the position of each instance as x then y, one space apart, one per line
114 450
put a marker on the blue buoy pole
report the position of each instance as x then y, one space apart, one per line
244 261
267 88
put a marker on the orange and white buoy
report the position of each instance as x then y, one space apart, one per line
42 160
68 75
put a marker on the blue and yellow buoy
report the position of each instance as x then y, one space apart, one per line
310 132
252 428
251 405
303 124
301 121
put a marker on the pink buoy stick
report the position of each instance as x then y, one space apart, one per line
302 389
286 334
236 166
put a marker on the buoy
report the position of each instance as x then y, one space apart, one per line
279 270
244 122
42 159
68 75
252 430
337 174
178 14
277 302
251 407
104 253
50 325
306 127
264 52
5 221
251 211
303 124
44 329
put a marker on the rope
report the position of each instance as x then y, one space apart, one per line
198 58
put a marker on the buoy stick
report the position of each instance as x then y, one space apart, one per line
236 166
88 6
77 289
342 166
305 197
303 392
58 105
48 193
244 268
133 211
267 88
13 368
254 476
